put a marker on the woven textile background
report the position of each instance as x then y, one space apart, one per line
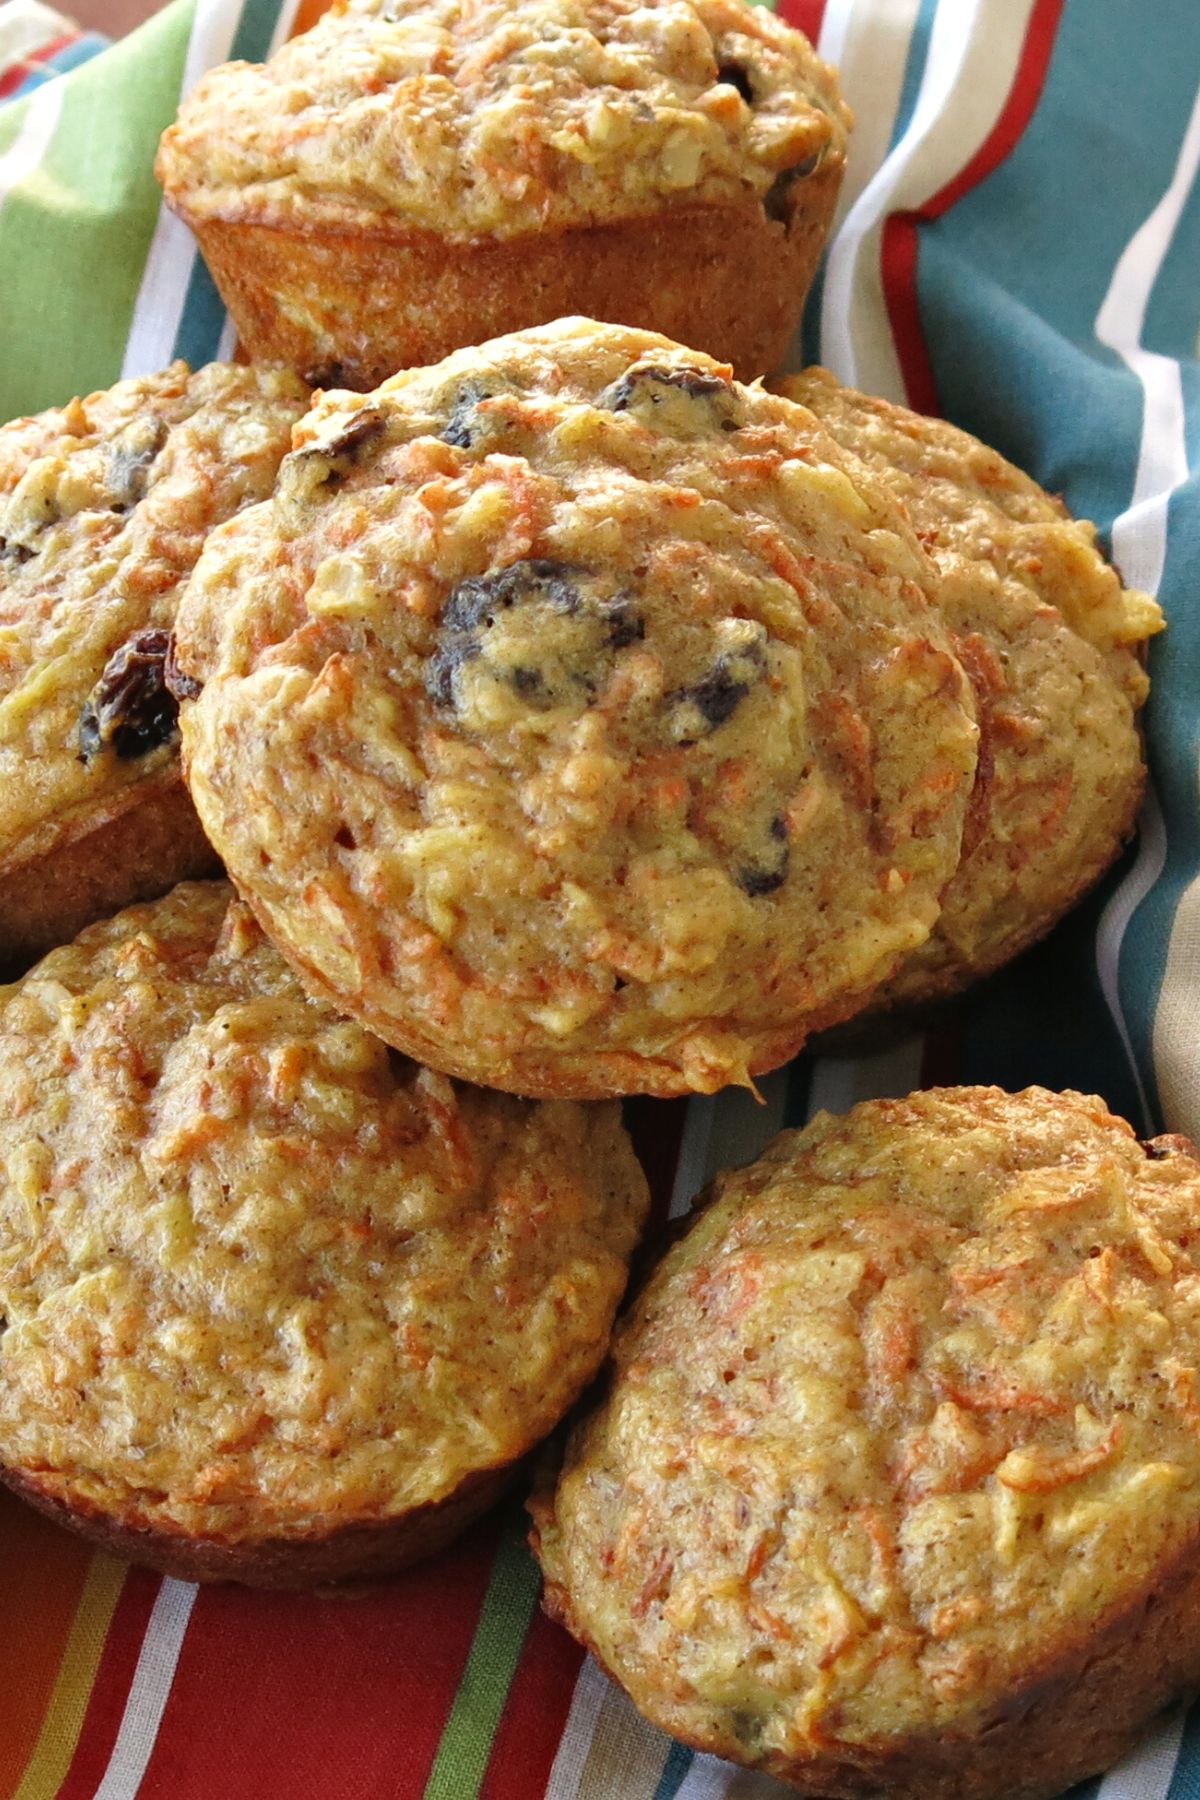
1019 248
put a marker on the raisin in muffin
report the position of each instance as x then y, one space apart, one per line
411 176
574 720
278 1306
104 504
1052 642
896 1489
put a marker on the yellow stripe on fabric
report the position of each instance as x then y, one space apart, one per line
47 1768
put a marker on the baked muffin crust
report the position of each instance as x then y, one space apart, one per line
104 504
262 1281
1051 639
900 1454
486 119
575 720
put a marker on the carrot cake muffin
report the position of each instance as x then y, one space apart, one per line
1052 642
104 504
277 1305
411 176
574 720
896 1489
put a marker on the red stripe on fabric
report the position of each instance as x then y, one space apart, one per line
656 1127
110 1691
805 15
12 78
1018 109
900 249
310 1695
535 1714
898 263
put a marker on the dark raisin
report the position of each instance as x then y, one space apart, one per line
446 660
643 378
462 426
680 400
529 683
15 554
326 375
779 201
179 682
350 434
765 877
1159 1148
547 630
717 697
130 707
130 457
476 601
625 625
736 75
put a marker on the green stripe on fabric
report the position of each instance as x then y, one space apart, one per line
75 233
466 1745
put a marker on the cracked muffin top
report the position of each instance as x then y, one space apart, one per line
1051 640
477 117
104 504
906 1418
259 1275
574 719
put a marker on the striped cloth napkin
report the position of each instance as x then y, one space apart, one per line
36 44
1019 248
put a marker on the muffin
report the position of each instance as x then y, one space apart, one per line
1053 644
278 1306
896 1488
104 504
574 720
412 176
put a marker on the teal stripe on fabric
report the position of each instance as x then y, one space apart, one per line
203 318
1173 316
1010 283
74 235
1185 1782
679 1761
914 70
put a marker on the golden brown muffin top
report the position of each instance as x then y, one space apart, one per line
985 522
1051 640
573 719
104 504
478 118
907 1416
258 1275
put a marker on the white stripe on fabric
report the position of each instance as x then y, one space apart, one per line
1139 541
974 52
839 1083
870 48
24 29
33 140
1139 536
283 24
164 284
576 1739
707 1779
148 1691
1146 1773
